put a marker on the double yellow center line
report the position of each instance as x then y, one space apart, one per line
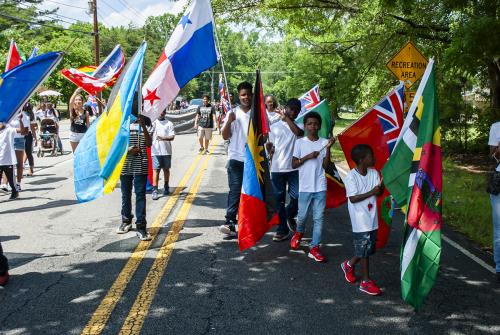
137 314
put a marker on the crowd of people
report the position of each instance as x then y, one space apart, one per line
298 158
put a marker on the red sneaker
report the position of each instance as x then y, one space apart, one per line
348 272
316 254
369 287
4 279
295 242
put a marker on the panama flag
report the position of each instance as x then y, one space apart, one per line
14 57
190 51
379 127
414 176
258 208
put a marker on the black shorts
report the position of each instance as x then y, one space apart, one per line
364 243
161 162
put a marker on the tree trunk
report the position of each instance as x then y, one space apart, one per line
494 77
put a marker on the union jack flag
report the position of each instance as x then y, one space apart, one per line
311 98
390 115
224 101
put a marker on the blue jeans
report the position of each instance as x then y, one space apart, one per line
495 206
139 183
316 201
235 180
280 180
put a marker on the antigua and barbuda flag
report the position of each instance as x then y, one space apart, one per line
414 177
379 127
189 51
258 208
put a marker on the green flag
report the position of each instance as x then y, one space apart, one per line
326 118
413 175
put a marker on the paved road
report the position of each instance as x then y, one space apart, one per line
71 273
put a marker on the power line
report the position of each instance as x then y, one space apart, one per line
117 11
64 4
127 6
40 23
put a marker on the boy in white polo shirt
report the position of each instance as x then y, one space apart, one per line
235 130
362 188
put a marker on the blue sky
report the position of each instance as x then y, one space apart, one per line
114 12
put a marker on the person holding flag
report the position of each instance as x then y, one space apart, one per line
311 155
282 137
235 129
363 185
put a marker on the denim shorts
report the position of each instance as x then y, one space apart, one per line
161 162
364 243
19 143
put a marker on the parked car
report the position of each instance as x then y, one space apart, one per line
196 102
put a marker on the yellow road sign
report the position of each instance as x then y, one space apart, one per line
409 95
408 64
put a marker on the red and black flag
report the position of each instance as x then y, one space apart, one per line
258 210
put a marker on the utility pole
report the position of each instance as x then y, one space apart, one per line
93 11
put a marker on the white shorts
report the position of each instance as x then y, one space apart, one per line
75 137
205 133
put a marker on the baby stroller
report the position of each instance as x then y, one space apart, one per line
48 137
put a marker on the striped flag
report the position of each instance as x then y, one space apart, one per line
100 156
224 100
413 175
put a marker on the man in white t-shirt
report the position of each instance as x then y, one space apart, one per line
235 130
280 146
162 134
494 143
362 188
8 155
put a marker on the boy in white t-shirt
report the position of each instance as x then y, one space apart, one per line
162 134
8 155
311 155
363 185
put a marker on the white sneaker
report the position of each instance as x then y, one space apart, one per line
4 188
18 187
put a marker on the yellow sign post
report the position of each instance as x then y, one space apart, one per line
408 64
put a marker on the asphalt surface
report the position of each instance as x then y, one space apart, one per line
66 256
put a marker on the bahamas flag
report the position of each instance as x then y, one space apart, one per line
414 177
258 207
101 153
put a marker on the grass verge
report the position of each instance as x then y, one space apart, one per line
466 205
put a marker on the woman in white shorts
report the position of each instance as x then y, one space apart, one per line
80 120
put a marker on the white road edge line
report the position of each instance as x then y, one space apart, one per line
453 244
468 254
